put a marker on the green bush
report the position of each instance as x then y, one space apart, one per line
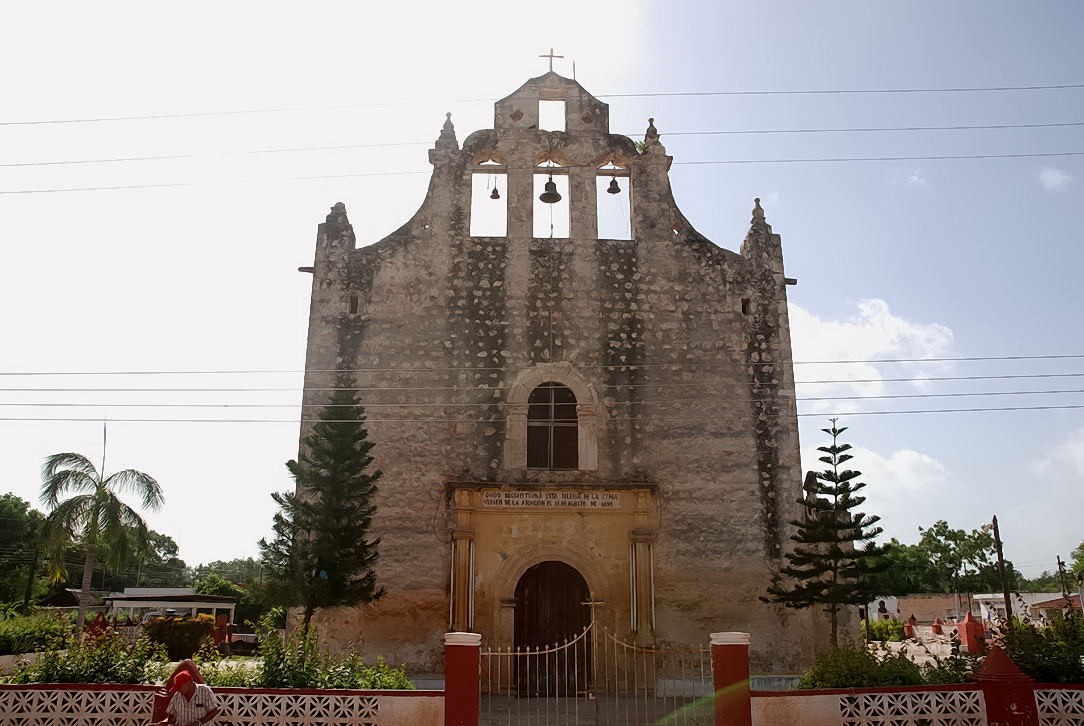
884 630
299 663
181 636
220 671
854 666
1052 654
104 659
950 669
30 633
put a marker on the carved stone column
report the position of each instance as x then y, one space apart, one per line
642 567
462 582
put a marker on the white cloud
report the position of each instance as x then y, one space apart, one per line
906 489
873 332
1063 461
769 200
1054 179
914 177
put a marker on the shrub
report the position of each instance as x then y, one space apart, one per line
950 669
30 633
853 666
1052 654
298 662
884 630
220 671
181 636
104 659
857 666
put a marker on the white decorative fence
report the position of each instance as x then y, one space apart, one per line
61 705
1060 706
903 706
914 708
104 705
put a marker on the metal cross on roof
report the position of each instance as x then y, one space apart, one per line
551 56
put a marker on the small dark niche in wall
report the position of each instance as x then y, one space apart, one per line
353 304
746 306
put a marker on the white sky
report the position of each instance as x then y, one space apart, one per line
896 259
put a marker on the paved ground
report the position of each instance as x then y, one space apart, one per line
597 711
921 653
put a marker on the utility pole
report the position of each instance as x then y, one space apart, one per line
1001 571
1064 583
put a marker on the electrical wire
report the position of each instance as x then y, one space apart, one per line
671 94
504 420
500 388
453 404
721 132
273 180
743 364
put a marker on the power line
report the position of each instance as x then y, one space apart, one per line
500 388
672 94
939 157
454 404
840 414
743 364
825 160
722 132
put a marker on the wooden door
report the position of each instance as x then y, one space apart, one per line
550 610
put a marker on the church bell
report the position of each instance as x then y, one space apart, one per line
550 195
613 188
495 194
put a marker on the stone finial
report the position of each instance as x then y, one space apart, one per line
337 226
759 239
447 139
337 218
652 134
652 145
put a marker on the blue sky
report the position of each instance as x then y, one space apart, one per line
896 259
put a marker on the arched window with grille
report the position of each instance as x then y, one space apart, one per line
552 428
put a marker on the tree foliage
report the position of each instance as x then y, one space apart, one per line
93 515
1076 559
20 526
943 560
320 555
834 558
241 577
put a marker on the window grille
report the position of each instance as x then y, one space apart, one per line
552 428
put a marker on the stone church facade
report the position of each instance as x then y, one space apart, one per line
570 428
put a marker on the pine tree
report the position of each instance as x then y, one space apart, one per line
320 555
833 558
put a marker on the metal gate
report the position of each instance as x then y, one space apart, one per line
596 679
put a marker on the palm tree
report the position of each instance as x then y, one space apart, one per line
93 515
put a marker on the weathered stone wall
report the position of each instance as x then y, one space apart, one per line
683 345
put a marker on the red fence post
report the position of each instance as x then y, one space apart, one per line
462 677
730 677
1009 693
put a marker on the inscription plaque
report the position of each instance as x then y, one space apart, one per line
551 500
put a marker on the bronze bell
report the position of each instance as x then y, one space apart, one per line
613 188
550 195
495 194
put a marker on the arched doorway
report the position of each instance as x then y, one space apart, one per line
551 607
